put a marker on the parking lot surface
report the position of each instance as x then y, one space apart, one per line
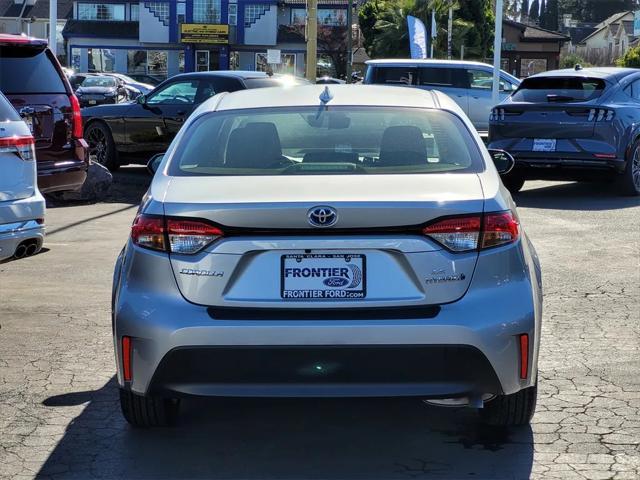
59 412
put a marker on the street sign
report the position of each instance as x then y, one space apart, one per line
273 56
204 33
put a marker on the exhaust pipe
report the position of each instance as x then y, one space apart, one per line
32 248
21 251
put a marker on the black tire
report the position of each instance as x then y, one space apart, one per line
629 180
148 411
511 410
513 181
102 148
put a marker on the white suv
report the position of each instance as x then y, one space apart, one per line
21 204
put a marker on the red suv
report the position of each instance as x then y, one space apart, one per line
33 81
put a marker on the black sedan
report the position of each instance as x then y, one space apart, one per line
574 124
134 132
101 90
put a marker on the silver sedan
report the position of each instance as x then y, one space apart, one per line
328 241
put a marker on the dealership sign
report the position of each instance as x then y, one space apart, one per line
204 33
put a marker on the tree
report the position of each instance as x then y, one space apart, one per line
553 19
542 19
595 10
524 11
534 11
630 59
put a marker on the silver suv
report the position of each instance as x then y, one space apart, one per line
467 83
21 204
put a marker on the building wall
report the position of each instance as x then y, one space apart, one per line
152 30
265 29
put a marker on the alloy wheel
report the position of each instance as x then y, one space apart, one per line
97 145
635 168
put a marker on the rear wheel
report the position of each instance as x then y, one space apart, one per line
629 180
148 411
511 410
513 181
102 148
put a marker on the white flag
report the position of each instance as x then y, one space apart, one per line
417 37
434 27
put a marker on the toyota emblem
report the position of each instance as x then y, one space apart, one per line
322 216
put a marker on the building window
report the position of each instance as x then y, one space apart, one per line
287 64
253 12
148 62
75 58
135 12
332 17
160 10
233 14
206 11
100 11
234 60
101 60
531 66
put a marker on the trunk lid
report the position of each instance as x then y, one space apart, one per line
377 238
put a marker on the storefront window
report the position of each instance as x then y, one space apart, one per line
151 62
234 60
287 64
136 61
100 11
101 60
332 17
157 62
531 66
206 11
181 61
75 58
135 12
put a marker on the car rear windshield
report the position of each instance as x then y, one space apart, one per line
99 82
559 89
7 112
266 82
28 70
326 141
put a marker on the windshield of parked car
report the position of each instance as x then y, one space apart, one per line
326 141
24 69
99 82
559 89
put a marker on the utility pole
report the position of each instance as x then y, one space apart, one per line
312 40
349 40
53 23
450 33
497 48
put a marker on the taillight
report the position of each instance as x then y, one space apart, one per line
76 117
524 355
22 146
473 232
126 358
173 235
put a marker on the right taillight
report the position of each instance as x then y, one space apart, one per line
22 146
76 117
475 232
173 235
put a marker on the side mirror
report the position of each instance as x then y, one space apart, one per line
503 161
141 99
154 162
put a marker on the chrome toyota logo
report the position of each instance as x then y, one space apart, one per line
322 216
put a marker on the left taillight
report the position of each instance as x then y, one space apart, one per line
22 146
475 232
76 117
173 235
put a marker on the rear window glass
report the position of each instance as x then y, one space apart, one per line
559 89
442 77
273 82
394 75
326 141
28 70
7 112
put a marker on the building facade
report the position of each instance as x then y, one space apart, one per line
163 38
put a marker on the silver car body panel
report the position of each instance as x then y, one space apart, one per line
168 302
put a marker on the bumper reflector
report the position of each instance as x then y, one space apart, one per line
126 358
524 355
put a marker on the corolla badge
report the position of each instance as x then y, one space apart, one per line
201 273
439 278
322 216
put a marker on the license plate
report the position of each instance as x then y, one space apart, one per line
92 102
544 144
323 277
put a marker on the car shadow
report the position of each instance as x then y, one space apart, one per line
574 196
286 438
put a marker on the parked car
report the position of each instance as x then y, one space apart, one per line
76 79
469 84
147 79
33 81
135 87
22 206
328 241
119 134
101 90
329 80
573 124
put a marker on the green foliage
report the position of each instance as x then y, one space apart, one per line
630 59
571 60
595 10
534 11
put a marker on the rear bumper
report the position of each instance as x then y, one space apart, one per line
18 223
64 173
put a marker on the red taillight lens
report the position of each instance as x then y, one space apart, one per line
459 234
190 236
463 234
148 232
499 229
184 236
76 117
22 146
126 358
524 355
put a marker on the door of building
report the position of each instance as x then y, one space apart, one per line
206 60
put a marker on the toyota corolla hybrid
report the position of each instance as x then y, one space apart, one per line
328 241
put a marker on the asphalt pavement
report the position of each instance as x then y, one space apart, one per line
59 413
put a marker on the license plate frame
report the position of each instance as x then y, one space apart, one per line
341 287
544 145
92 102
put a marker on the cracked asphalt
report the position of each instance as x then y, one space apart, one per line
59 414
